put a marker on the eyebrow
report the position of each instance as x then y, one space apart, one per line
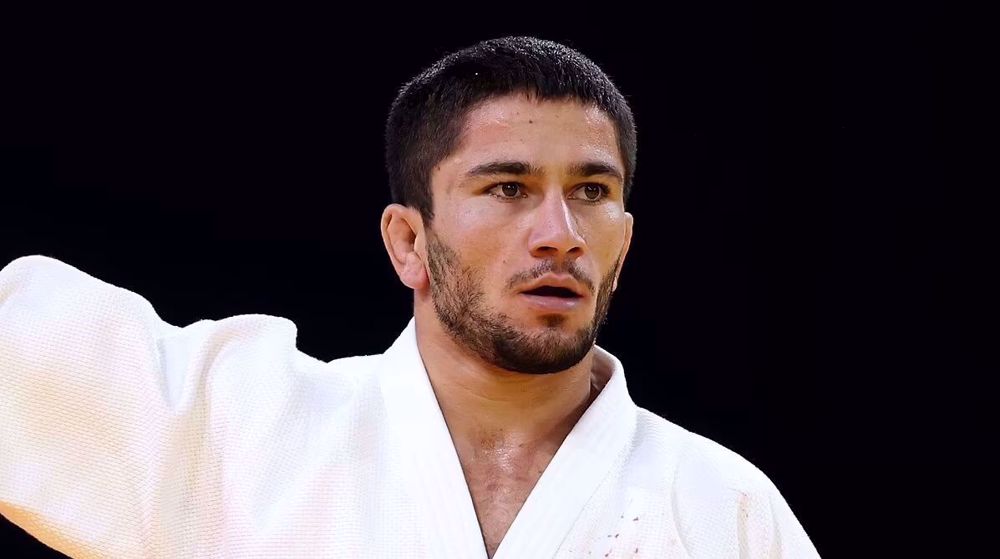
583 169
593 168
503 168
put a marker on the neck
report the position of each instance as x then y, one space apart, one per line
486 407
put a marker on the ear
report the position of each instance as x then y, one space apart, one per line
403 236
628 242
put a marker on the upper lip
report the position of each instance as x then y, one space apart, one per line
551 280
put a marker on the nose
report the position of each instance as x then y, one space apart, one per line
555 233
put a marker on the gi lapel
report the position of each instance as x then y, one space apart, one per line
436 477
577 469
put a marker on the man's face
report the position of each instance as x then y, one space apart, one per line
529 232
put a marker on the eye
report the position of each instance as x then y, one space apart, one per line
507 190
594 192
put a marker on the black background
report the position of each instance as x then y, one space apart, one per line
808 281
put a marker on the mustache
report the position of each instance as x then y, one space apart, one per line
547 267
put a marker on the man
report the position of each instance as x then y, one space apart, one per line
493 426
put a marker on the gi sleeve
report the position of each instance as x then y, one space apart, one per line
109 436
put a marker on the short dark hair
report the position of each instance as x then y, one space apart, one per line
426 119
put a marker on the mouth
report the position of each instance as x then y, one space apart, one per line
553 300
552 291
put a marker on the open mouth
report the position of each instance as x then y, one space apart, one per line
550 291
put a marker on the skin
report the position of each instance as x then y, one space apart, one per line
511 378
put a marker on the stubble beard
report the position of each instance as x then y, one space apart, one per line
460 305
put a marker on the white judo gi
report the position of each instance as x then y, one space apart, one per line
124 436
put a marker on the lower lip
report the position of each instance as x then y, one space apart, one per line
557 304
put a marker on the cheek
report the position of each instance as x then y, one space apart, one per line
483 229
481 212
482 241
606 235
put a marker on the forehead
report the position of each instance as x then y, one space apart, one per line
523 127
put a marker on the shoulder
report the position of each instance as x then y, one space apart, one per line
360 368
720 500
696 466
695 461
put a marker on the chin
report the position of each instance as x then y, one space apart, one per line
556 322
558 326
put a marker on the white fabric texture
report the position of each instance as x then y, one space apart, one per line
124 436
